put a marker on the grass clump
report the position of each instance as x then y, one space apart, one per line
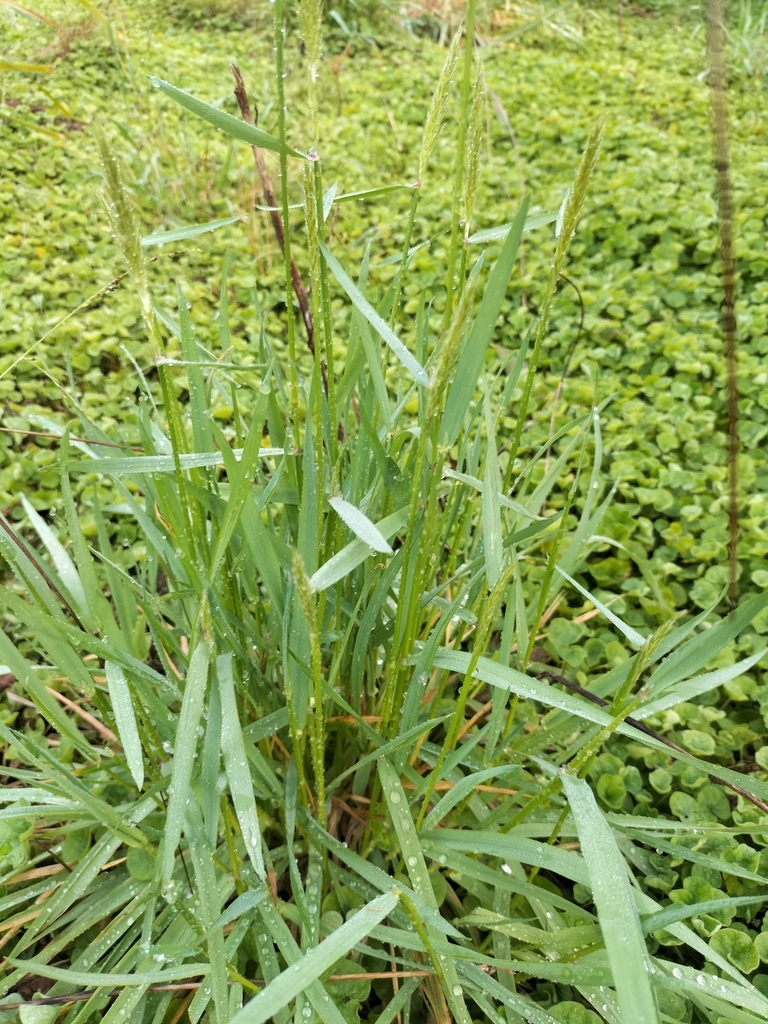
297 761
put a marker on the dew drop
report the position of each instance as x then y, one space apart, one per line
394 796
412 862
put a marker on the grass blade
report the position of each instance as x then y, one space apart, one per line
360 525
355 553
236 765
616 908
142 465
191 231
473 353
226 123
698 685
314 964
64 565
241 484
492 539
184 755
363 306
125 720
635 638
701 649
416 866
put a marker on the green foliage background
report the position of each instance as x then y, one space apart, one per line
646 271
643 262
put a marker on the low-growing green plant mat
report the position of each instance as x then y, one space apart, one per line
290 725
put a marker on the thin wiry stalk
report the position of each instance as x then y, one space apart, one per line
125 229
279 30
329 378
567 225
466 91
270 201
309 610
432 126
717 39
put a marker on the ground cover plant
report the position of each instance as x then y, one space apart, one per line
298 665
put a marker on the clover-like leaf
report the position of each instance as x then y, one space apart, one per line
737 947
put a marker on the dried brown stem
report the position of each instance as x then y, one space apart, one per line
269 201
41 568
192 986
719 83
58 437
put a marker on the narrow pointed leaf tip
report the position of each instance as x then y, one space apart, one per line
360 525
190 231
635 638
125 720
382 328
226 123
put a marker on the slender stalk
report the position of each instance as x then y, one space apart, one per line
329 378
567 221
281 134
320 379
406 249
278 224
309 609
718 79
552 561
482 636
466 90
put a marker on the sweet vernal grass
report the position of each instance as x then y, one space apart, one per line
297 763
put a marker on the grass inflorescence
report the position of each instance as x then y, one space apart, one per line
299 761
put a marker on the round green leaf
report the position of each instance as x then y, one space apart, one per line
140 864
569 1012
701 744
737 948
611 790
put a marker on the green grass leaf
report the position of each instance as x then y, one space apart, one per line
94 979
184 755
701 649
616 907
236 765
316 962
635 638
355 553
360 525
699 684
241 484
492 538
191 231
226 123
382 328
476 344
125 720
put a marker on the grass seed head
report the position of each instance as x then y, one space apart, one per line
474 138
448 352
436 114
575 199
117 206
